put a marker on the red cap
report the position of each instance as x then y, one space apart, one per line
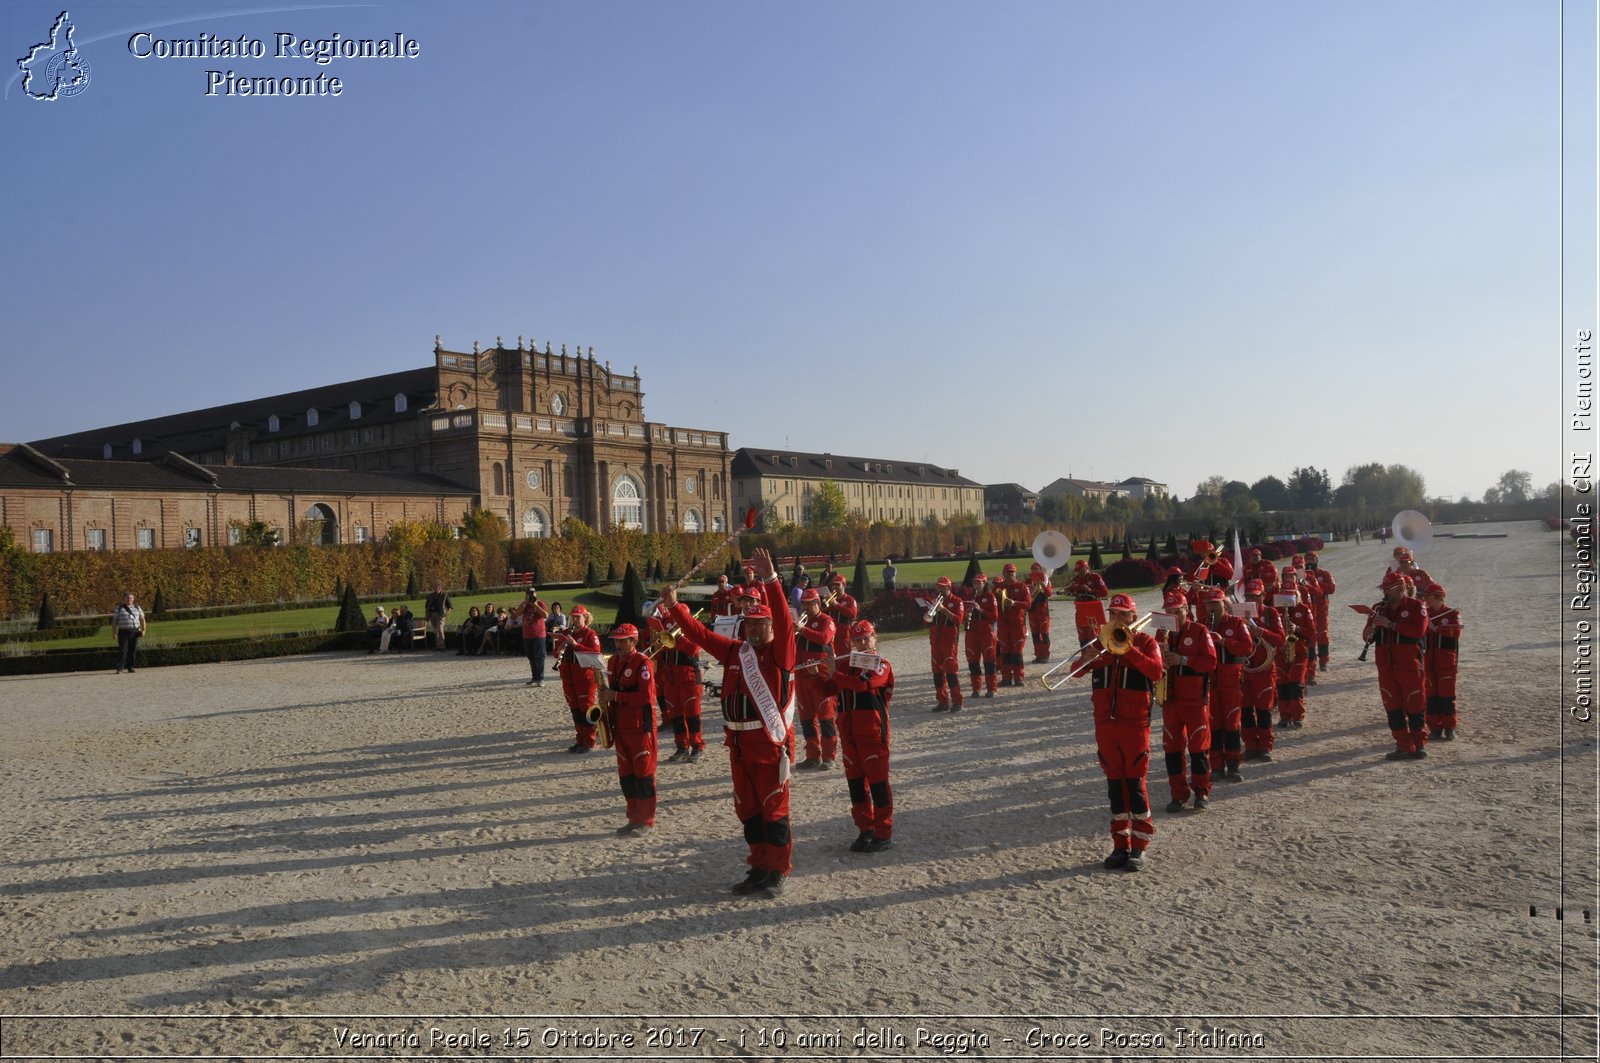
1008 567
1255 586
1435 590
1289 574
1255 553
1172 572
1393 579
861 629
1036 567
1201 546
579 611
624 631
1311 555
1297 561
1402 552
1214 594
758 612
1174 599
943 581
809 595
1081 566
980 578
838 577
1122 602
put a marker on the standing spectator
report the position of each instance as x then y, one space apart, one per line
129 624
889 573
532 614
436 609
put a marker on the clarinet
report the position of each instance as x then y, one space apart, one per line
1367 645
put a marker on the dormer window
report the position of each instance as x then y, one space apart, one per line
272 423
311 418
105 452
400 403
355 411
138 446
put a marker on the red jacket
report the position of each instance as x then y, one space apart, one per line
775 659
1187 679
633 690
1088 586
1122 684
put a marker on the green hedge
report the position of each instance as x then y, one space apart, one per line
69 631
105 660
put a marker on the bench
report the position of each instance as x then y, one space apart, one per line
520 579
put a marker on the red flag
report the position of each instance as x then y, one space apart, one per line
750 517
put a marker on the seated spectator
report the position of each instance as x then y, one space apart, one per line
403 625
378 632
471 633
493 620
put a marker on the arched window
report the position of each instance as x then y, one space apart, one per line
272 423
718 524
138 446
499 479
400 403
627 503
355 411
325 530
692 522
105 452
534 524
311 418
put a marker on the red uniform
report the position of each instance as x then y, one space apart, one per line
813 692
864 737
633 733
944 646
760 765
678 685
1265 571
1089 587
1443 643
579 685
1012 630
1258 691
1293 671
982 612
1185 715
1399 656
843 611
724 601
1320 584
1234 643
1039 592
1121 695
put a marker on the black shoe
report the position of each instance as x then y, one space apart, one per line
695 754
754 879
1418 754
1252 754
1136 861
776 884
682 754
955 706
988 693
1118 858
1265 756
1397 754
943 706
825 765
1175 806
627 829
860 844
1447 735
809 764
1201 802
1231 773
576 748
878 845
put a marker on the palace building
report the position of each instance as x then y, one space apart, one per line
535 436
783 482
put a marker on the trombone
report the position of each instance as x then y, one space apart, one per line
1114 638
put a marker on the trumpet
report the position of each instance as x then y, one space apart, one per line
1114 638
831 600
933 610
668 638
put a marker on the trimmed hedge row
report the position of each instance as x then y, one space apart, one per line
105 659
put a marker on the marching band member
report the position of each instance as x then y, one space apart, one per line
630 713
1210 565
1439 664
1320 585
1258 567
944 619
723 599
982 612
814 642
864 696
1300 625
1234 643
1258 680
1039 592
1122 684
1406 564
1086 587
758 707
1012 632
1189 658
843 612
578 682
678 683
1397 627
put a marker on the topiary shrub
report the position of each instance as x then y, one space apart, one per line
47 615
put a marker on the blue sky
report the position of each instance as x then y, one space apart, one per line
1021 239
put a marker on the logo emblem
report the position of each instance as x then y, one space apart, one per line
54 69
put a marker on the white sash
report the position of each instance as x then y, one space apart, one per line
775 720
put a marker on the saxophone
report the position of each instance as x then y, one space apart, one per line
1164 684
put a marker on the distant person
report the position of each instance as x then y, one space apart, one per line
531 614
402 626
554 625
376 631
128 624
470 633
436 608
889 573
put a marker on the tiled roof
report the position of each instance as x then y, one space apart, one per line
755 461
